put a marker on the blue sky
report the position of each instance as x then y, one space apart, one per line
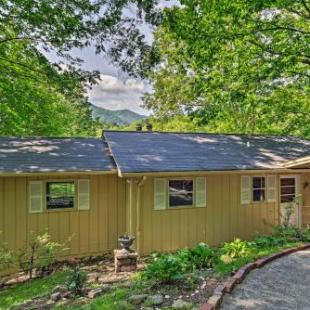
116 90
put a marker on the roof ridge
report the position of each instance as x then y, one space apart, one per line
205 133
47 137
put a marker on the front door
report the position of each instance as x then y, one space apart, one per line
289 189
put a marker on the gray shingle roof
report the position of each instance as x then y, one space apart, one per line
29 155
169 152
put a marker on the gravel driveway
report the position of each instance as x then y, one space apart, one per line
282 284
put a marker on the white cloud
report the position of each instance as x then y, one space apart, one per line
114 94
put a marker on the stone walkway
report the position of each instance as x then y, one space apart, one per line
283 284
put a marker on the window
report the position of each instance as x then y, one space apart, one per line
180 193
258 188
288 188
60 195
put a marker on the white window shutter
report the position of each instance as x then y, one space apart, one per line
83 194
35 196
245 190
160 194
200 192
271 188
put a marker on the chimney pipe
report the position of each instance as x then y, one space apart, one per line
138 127
149 127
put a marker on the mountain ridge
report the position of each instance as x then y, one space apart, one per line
118 117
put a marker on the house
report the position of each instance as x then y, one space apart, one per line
170 190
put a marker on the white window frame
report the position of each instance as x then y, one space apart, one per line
258 188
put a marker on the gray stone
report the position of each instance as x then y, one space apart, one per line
50 302
137 299
181 304
95 292
60 288
155 300
55 296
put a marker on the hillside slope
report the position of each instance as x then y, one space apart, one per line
119 117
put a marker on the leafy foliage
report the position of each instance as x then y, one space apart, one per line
235 66
234 250
7 258
76 280
180 266
39 254
166 268
42 86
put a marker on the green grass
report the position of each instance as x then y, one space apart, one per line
112 301
29 290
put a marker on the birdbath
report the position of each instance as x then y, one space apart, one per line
125 260
126 242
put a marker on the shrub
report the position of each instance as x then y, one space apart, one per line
180 265
76 280
39 254
289 234
261 242
199 257
234 250
7 258
166 268
305 237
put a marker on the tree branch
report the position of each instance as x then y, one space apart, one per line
305 5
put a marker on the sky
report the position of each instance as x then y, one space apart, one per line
116 90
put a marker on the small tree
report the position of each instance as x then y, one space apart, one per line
289 209
39 254
7 258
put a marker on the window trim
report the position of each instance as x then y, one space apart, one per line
258 188
192 206
297 190
75 201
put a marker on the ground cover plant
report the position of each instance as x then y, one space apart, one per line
187 276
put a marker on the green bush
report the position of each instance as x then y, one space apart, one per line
199 257
261 242
290 233
76 280
305 237
39 254
166 268
181 265
234 250
7 258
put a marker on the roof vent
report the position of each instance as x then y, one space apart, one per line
138 127
248 144
149 127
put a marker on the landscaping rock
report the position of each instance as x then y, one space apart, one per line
63 303
155 300
50 303
137 299
95 292
181 304
81 301
60 288
55 296
93 277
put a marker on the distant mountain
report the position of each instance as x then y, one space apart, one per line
119 117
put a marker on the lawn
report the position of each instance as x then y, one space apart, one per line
31 289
